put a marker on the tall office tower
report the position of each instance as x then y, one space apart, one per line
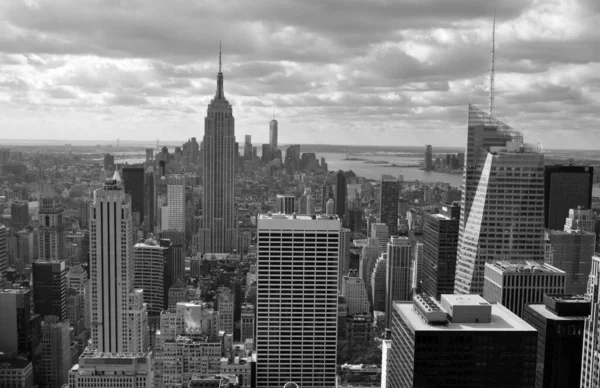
378 288
566 187
218 233
122 370
572 252
330 206
497 228
266 154
109 162
590 364
398 275
247 322
3 251
560 325
149 200
417 249
150 272
19 214
428 158
50 288
340 194
440 241
464 342
51 233
292 159
355 292
117 312
273 134
27 239
225 307
515 284
368 257
133 183
248 147
149 155
285 204
326 195
15 321
381 232
344 263
305 321
580 219
307 202
388 203
174 241
176 201
55 360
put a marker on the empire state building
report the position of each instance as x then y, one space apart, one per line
218 230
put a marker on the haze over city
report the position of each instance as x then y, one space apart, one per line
337 72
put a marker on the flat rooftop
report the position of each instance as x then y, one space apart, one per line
502 319
302 217
545 313
524 266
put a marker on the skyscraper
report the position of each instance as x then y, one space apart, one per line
248 147
428 158
50 288
176 202
464 342
492 227
225 307
119 318
515 284
133 183
440 241
3 251
580 219
51 234
565 187
273 135
218 231
19 214
150 274
388 203
296 341
572 252
285 204
55 359
560 325
377 288
355 292
590 364
398 274
340 194
344 264
149 199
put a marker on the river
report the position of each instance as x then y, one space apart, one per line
337 161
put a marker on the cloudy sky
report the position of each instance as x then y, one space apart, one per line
393 72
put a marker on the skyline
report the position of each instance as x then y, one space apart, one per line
108 68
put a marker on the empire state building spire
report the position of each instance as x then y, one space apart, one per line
220 95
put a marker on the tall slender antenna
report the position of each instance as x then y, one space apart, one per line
220 55
492 70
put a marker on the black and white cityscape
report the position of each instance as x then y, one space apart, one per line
289 194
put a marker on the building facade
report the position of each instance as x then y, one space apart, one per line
590 363
566 187
133 183
118 316
398 274
50 288
51 232
218 230
440 242
150 274
572 252
560 323
495 228
388 203
516 284
461 343
296 337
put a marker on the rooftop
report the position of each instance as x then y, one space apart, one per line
303 217
543 311
523 266
502 319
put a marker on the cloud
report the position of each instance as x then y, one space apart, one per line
332 71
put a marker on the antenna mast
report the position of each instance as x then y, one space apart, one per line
220 55
492 70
